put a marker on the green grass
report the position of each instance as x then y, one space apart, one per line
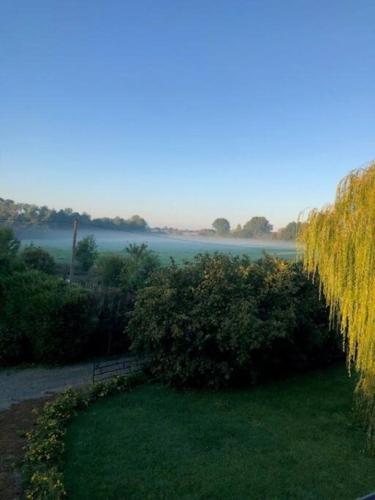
293 439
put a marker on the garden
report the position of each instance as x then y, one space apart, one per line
244 391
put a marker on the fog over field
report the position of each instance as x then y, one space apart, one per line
177 246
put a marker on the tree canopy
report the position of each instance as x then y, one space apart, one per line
221 226
87 252
257 227
339 249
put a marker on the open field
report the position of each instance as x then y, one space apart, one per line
292 439
58 243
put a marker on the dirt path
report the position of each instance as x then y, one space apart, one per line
14 423
33 383
21 390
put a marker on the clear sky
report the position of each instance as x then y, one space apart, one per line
185 110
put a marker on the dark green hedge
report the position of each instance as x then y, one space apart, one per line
44 319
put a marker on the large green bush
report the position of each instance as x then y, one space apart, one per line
222 319
44 319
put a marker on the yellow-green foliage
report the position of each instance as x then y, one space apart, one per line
339 247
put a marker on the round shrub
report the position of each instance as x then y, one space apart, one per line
222 319
38 258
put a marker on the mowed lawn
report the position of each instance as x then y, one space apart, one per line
291 439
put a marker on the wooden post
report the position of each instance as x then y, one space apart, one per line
74 247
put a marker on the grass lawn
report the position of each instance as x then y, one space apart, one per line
293 439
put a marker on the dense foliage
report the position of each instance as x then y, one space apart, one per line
339 248
221 226
140 264
256 227
24 214
87 252
43 318
119 278
131 271
222 319
9 244
108 269
38 258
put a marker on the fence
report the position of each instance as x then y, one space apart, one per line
103 370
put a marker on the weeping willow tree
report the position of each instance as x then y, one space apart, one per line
339 250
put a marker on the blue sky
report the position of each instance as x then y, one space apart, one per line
185 110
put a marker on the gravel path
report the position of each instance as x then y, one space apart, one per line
32 383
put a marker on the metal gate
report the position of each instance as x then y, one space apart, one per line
103 370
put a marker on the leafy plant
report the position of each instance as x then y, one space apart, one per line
221 319
109 268
139 264
47 319
9 244
87 252
339 251
38 258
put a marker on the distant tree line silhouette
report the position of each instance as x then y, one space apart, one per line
256 227
25 214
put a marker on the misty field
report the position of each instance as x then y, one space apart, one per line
180 248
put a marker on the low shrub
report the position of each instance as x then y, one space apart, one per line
222 319
37 258
44 454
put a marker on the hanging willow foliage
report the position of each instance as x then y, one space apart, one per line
339 249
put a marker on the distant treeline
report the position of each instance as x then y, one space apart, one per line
25 214
256 227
